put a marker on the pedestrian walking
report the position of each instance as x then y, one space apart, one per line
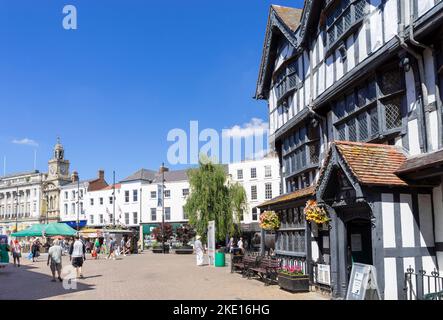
78 256
199 250
122 248
97 248
128 246
240 245
55 260
35 249
16 250
111 249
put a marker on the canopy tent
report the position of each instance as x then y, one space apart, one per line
52 229
59 229
35 230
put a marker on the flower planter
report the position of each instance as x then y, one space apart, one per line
160 250
184 250
293 283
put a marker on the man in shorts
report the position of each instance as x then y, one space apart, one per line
55 260
78 256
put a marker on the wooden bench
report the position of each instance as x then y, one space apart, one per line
266 268
237 263
249 262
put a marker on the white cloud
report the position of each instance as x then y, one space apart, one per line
25 142
255 126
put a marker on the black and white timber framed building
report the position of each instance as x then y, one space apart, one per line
354 90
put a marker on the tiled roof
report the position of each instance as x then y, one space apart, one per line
142 174
299 194
373 164
290 16
171 176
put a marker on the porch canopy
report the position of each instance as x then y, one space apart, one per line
426 166
352 166
286 200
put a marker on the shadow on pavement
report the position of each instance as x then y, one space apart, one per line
24 284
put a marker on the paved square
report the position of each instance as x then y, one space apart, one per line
143 276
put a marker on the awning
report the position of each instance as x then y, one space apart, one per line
148 228
73 224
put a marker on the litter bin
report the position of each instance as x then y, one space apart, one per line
219 259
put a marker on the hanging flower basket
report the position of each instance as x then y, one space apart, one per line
315 213
269 221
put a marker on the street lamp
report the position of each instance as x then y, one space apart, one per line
78 204
163 206
17 200
113 199
47 209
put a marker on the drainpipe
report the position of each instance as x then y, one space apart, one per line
421 69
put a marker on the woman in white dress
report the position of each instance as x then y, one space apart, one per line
199 251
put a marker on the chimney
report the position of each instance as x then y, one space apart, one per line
101 175
163 169
74 176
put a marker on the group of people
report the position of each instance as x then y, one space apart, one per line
238 246
16 247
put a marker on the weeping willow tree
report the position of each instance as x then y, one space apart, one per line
212 197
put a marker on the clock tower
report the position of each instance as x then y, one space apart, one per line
57 176
58 166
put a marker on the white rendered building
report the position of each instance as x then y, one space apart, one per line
261 181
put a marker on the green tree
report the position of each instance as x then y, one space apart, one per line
212 197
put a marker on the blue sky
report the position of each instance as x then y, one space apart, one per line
132 71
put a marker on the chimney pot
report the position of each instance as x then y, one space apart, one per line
101 174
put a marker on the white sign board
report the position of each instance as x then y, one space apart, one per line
211 242
324 274
363 283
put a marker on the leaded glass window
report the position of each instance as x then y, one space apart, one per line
363 127
374 122
360 9
342 18
390 82
352 130
341 132
393 113
379 111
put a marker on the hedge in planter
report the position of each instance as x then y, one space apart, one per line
184 234
184 250
293 279
158 249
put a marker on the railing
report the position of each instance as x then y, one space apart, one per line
423 286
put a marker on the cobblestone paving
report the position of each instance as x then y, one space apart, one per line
144 276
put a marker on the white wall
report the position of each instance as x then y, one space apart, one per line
175 202
438 221
260 181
